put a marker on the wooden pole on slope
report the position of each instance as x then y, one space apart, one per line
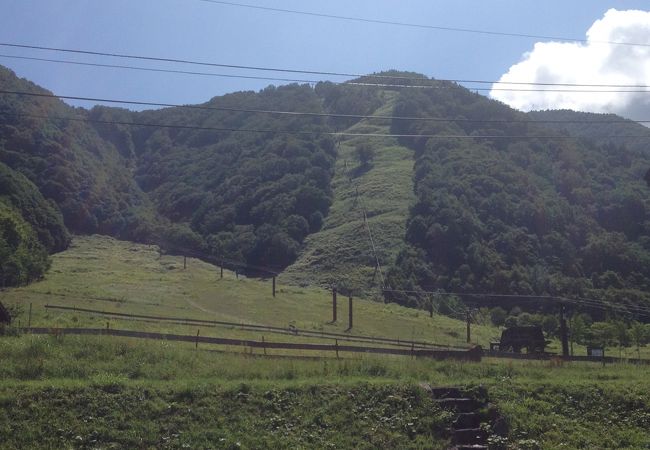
350 312
333 305
564 335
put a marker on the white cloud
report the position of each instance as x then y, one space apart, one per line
592 62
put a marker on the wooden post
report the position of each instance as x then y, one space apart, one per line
197 339
222 270
184 262
29 324
263 345
412 350
469 326
273 285
336 346
564 335
107 324
333 305
237 274
350 312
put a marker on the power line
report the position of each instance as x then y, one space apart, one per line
416 25
310 114
598 304
318 133
150 69
428 82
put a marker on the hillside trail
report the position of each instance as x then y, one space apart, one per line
367 200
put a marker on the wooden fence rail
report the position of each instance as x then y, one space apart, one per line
546 357
463 355
252 327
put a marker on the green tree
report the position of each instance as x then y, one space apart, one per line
601 334
365 154
498 316
638 334
550 325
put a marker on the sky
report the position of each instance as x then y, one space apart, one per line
200 30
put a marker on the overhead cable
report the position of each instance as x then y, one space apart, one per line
423 82
417 25
318 133
306 113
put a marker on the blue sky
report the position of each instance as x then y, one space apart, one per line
196 30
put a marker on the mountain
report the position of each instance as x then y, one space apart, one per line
86 176
506 207
493 200
30 229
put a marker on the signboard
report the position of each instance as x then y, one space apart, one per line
597 352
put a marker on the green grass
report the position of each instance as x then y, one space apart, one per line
341 252
132 278
100 392
91 392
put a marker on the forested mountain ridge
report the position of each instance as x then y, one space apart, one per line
518 211
247 197
485 200
30 229
69 162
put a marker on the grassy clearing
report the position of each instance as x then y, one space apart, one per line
341 252
105 274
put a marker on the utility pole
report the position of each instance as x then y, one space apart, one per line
350 312
273 286
564 335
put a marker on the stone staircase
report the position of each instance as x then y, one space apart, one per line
475 418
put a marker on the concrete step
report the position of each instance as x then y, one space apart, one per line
470 436
460 405
447 392
467 420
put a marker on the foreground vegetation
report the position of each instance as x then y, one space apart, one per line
86 392
101 392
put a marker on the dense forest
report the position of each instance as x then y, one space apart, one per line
70 163
30 229
505 204
520 214
248 198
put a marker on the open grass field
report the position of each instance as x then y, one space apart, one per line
102 273
101 392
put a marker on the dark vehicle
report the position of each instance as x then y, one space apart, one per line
5 317
514 339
